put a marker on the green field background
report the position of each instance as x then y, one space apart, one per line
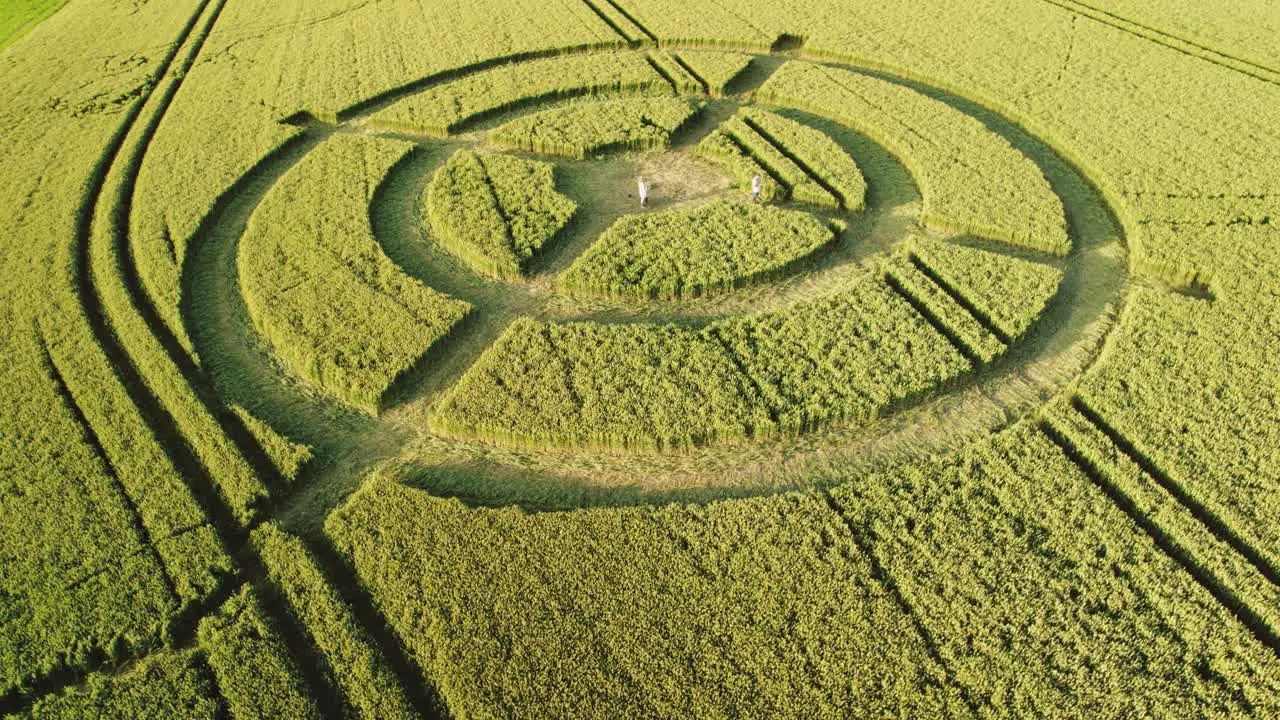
165 551
17 17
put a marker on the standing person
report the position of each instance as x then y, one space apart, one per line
755 188
644 192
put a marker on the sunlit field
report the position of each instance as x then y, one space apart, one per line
640 359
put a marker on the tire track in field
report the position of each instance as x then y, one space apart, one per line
631 18
92 440
153 408
59 679
127 373
1220 528
613 25
181 626
98 326
865 542
233 426
222 709
94 314
1190 48
1179 552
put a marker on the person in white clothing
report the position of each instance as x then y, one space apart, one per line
755 188
644 192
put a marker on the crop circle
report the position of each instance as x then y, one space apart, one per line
933 295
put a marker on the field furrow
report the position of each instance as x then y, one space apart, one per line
1214 556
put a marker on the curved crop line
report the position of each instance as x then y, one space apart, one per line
213 257
1117 201
369 105
230 423
394 199
380 100
371 611
92 305
1031 149
214 311
902 152
408 676
90 302
372 104
93 310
